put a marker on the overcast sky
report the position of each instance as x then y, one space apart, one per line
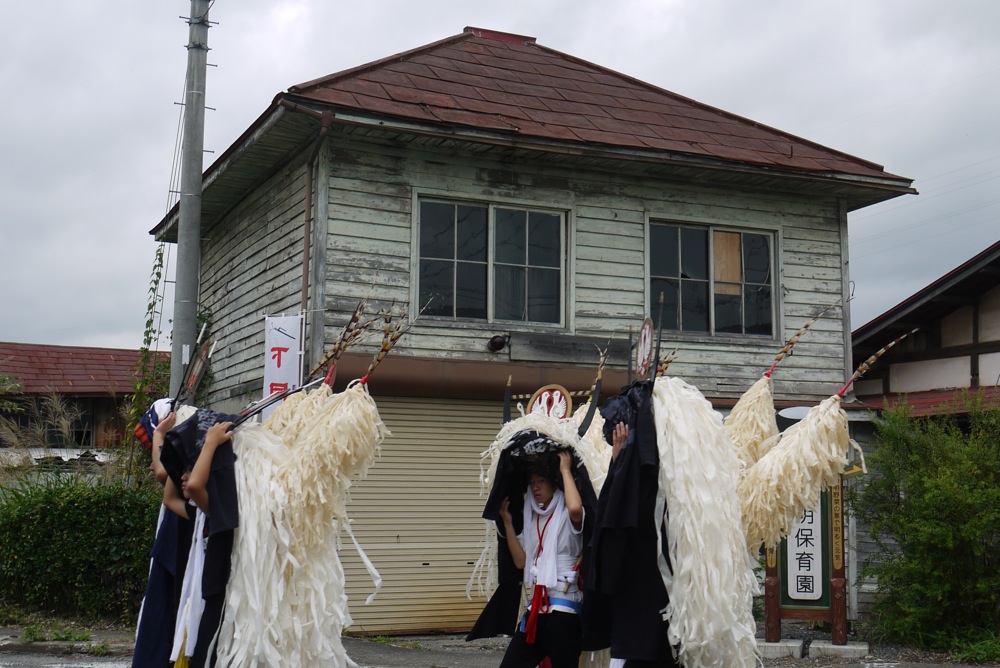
88 131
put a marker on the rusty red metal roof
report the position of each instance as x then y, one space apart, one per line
75 370
936 402
499 82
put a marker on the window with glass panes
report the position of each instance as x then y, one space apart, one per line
491 262
714 281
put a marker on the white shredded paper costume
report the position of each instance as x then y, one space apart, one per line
712 583
286 603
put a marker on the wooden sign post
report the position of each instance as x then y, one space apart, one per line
804 577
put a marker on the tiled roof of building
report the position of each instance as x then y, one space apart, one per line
75 370
509 84
936 402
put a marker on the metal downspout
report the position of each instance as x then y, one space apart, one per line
326 121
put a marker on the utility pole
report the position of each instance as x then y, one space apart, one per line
189 214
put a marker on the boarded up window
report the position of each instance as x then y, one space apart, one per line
712 280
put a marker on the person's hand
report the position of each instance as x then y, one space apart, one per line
218 433
166 424
565 462
618 438
505 512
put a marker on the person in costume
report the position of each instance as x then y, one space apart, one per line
168 557
626 598
548 549
199 460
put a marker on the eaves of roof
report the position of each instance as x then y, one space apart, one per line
961 285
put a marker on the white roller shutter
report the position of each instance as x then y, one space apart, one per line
418 517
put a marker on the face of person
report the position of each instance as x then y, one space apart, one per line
542 489
184 484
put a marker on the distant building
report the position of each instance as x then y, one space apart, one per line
528 198
956 347
955 350
92 383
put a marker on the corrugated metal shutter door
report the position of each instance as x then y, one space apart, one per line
418 517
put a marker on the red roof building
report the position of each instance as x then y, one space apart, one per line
93 382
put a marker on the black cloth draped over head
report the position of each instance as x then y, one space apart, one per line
625 594
526 451
181 447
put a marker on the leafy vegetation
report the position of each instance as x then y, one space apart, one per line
69 546
152 375
933 508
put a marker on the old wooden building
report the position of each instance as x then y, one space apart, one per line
519 194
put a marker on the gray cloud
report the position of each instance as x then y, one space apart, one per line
90 121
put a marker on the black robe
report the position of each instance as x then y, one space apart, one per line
511 479
624 593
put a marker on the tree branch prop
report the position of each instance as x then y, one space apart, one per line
187 368
354 328
867 364
661 368
786 350
270 400
659 336
595 390
395 326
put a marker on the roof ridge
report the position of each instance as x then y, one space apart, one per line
500 36
375 64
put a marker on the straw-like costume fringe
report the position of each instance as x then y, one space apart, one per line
592 449
809 457
751 424
286 603
712 583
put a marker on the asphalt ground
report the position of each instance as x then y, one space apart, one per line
113 649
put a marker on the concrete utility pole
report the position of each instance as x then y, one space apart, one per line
189 220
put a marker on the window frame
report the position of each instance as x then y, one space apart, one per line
564 215
711 226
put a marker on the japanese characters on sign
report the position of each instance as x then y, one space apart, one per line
804 556
282 355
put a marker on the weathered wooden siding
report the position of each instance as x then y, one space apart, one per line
865 550
252 267
374 188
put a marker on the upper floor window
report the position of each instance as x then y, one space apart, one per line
491 262
713 280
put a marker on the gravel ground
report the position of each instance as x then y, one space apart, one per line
877 652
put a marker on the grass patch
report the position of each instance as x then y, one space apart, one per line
99 649
983 650
71 635
32 633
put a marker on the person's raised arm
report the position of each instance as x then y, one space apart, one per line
197 484
173 500
571 495
513 544
159 434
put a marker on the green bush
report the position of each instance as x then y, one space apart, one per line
933 509
68 545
